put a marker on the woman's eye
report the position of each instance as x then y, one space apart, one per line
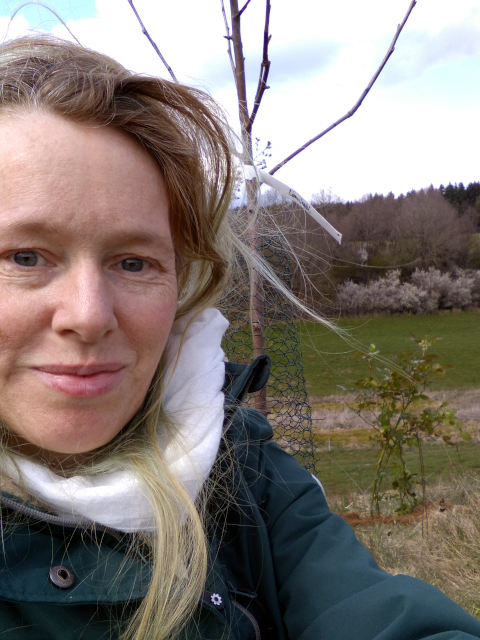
26 258
132 265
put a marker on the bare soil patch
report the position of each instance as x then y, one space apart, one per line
334 413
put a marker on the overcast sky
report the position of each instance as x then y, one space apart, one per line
418 126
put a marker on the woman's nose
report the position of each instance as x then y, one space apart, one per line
84 303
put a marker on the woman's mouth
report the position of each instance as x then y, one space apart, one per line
82 380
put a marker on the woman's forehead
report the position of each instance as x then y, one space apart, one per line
53 171
57 140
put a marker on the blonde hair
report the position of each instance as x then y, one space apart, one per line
185 131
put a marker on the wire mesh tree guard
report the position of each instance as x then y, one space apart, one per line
286 404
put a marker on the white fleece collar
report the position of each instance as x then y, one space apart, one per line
193 399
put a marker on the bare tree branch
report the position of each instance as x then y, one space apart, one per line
350 113
240 80
40 4
264 69
244 7
152 42
228 38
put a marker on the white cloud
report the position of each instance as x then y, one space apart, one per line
12 28
323 54
420 50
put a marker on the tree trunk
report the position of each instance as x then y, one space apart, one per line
256 292
252 194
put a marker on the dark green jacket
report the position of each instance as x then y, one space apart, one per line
282 565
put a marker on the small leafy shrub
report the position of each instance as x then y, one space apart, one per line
388 400
427 291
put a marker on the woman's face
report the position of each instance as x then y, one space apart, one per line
87 280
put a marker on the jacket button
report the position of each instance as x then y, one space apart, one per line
215 599
61 576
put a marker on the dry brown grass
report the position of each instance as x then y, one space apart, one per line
334 423
332 412
441 547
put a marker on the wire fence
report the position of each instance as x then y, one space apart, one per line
287 406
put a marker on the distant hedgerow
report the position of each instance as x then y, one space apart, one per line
426 292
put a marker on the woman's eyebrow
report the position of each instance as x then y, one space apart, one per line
120 238
31 227
116 237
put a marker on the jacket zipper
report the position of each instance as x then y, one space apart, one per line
246 612
246 387
86 525
43 516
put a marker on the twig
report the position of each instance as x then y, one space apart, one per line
264 69
152 42
40 4
244 7
228 38
240 80
350 113
372 266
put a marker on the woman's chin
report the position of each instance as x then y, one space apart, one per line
71 417
53 440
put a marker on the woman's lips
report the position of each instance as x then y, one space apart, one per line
92 380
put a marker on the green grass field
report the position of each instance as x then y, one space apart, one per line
330 362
